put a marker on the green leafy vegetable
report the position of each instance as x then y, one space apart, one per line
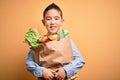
63 33
31 37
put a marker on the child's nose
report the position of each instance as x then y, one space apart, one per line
52 21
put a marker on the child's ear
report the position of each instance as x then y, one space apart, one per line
43 21
62 21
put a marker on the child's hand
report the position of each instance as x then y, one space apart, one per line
48 74
60 74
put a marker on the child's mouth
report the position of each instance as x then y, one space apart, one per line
52 27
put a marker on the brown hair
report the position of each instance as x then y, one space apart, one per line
53 6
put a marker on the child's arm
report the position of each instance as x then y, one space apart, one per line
33 67
74 66
37 70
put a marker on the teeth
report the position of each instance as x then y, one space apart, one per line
52 26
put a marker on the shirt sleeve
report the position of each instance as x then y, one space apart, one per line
33 67
78 62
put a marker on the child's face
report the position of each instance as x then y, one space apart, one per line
52 21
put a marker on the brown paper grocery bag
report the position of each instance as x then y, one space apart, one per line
54 54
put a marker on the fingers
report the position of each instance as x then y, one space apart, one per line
60 74
53 72
48 74
58 77
51 76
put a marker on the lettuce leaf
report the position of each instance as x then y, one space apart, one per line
63 33
31 37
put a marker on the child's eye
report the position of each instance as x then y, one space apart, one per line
56 18
47 18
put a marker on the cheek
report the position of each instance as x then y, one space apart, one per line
47 23
47 28
59 24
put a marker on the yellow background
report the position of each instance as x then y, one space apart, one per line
94 26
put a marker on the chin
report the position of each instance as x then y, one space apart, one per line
53 32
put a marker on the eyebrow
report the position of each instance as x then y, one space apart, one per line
50 16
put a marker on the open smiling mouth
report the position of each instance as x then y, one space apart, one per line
52 27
